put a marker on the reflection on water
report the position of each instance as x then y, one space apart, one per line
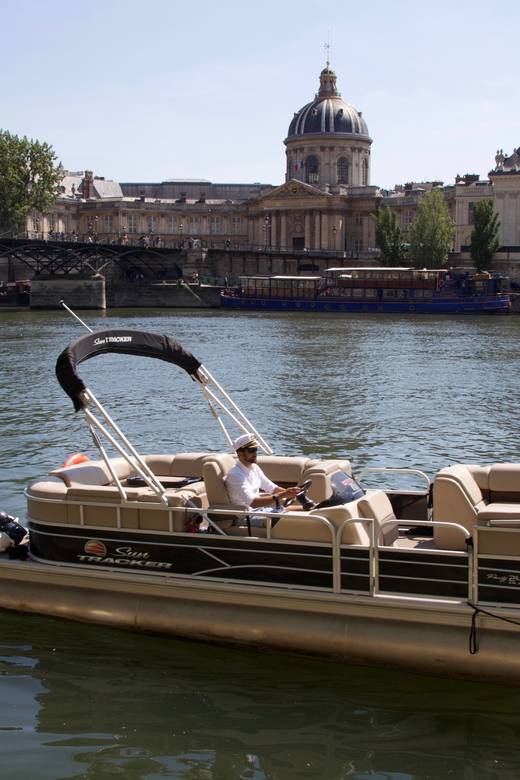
95 702
84 702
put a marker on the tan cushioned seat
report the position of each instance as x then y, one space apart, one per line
499 511
320 472
376 504
282 469
456 499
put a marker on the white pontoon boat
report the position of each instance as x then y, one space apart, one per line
423 580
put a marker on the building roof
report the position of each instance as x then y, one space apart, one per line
328 113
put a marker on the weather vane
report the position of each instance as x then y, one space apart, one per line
328 48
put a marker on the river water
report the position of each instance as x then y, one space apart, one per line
86 702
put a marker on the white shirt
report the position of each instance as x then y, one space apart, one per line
243 485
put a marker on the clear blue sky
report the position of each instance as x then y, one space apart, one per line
158 89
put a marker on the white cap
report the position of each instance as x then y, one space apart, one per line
246 440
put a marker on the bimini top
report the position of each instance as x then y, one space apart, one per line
328 113
130 342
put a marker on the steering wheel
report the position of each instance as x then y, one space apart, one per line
301 495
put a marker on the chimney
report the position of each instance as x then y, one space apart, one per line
88 185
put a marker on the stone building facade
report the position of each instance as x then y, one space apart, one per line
324 204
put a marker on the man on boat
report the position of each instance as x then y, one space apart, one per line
246 479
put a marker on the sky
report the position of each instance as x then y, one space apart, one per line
149 90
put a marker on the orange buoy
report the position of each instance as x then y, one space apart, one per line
73 460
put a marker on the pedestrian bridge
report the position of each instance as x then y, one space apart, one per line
73 258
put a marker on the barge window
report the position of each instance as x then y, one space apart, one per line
389 293
358 292
370 292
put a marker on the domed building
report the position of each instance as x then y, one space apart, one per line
326 201
328 141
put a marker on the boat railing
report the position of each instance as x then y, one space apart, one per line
387 470
370 554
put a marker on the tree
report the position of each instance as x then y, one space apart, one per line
28 178
431 234
484 242
389 238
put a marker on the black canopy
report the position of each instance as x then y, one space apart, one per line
128 342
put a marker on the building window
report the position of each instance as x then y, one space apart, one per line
312 170
50 223
194 226
152 224
172 224
359 219
408 219
132 223
471 214
342 170
358 245
236 226
108 223
364 171
215 226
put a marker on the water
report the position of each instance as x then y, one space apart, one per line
87 702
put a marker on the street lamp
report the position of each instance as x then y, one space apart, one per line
334 230
95 230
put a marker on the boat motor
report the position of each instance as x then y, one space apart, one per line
11 528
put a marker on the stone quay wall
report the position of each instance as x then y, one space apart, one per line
99 294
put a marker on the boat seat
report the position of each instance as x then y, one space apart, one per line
214 471
183 464
457 498
284 470
376 504
320 472
470 495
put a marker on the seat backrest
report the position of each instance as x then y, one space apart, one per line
311 529
214 472
284 470
376 504
504 482
320 473
457 498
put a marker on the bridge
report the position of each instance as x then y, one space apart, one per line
72 258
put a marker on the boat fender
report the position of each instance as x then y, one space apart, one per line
73 460
441 284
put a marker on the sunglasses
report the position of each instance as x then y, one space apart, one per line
251 449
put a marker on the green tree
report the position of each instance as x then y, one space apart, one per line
484 242
389 238
431 234
29 178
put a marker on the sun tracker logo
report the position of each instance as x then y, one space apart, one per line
113 340
95 547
